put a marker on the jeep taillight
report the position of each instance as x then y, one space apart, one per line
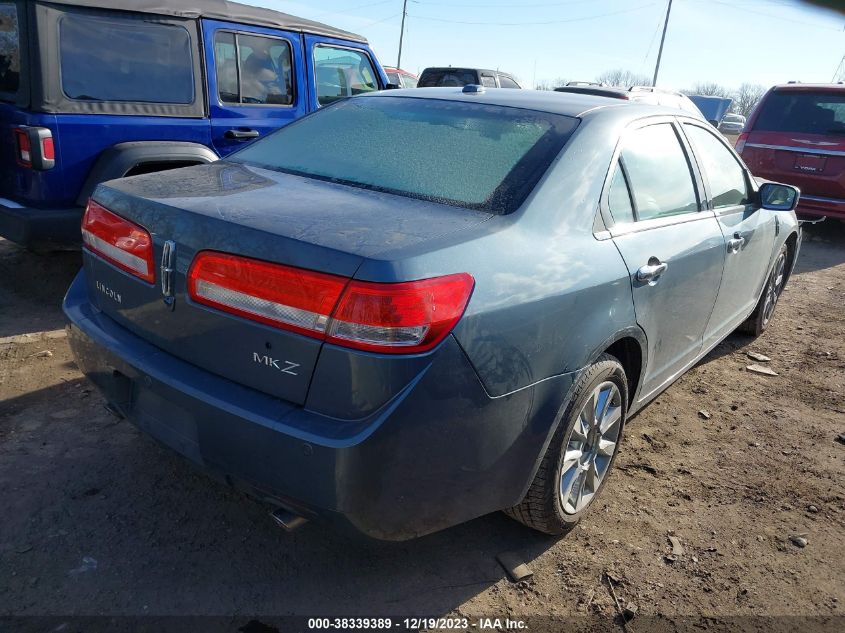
35 148
397 318
118 241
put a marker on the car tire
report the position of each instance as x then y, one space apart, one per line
546 506
763 314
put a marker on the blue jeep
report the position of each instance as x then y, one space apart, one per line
92 90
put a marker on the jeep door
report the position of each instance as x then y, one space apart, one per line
340 69
671 244
256 82
749 231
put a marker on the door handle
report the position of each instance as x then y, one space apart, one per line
651 271
241 135
736 243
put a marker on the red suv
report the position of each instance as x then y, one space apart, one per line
797 135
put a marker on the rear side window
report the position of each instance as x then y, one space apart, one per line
465 154
803 112
449 77
409 82
342 72
658 173
115 59
488 80
252 69
10 49
725 175
507 82
619 198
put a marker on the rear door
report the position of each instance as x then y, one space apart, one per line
798 137
670 242
749 231
256 82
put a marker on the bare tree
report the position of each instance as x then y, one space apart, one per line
746 97
550 84
709 89
623 78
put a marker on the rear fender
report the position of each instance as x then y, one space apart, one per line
118 160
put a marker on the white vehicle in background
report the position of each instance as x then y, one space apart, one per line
732 124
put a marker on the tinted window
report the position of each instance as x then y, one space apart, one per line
619 199
114 59
252 69
448 77
658 172
10 52
488 80
724 174
342 72
803 112
466 154
507 82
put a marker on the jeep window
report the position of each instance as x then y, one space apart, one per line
128 60
342 72
803 112
253 69
10 53
354 143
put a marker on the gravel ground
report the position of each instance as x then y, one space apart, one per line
97 519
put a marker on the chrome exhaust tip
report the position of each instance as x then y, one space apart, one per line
287 520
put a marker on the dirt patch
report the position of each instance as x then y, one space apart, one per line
98 519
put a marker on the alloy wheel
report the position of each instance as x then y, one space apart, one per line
774 287
590 447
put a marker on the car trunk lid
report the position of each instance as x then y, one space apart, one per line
256 213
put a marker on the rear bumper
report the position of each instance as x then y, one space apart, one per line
40 227
819 206
439 453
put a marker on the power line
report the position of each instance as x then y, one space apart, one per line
581 19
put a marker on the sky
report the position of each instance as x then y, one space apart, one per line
723 41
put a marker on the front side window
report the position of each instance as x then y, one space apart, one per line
507 82
725 175
342 72
658 173
252 69
488 80
117 59
464 154
10 49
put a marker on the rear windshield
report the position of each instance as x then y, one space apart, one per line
10 51
115 59
447 77
465 154
803 112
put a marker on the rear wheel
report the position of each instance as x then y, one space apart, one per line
765 310
581 453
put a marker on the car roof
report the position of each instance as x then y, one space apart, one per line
219 10
799 87
460 68
565 103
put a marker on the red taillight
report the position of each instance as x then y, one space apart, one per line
291 298
740 142
412 316
48 150
119 241
399 318
24 156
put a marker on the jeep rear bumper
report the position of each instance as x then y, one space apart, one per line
40 228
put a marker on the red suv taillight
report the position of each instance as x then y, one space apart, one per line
394 318
740 142
35 148
119 241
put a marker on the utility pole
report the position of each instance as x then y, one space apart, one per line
402 33
662 39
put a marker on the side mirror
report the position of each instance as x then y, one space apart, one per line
392 86
777 197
